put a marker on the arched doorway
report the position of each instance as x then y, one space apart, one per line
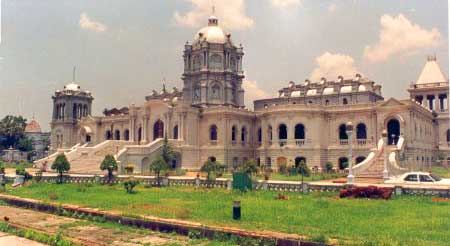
343 163
359 159
298 160
281 162
361 132
158 130
117 135
343 132
127 135
108 135
393 130
282 132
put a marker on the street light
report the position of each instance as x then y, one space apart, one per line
385 139
349 131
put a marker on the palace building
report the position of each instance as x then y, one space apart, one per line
207 119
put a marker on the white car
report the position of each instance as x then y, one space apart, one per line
421 178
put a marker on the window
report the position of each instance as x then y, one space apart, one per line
215 62
117 135
435 177
259 135
197 63
344 101
175 132
361 131
197 94
215 91
411 178
127 135
213 133
244 134
299 131
282 132
108 135
233 133
425 178
342 132
448 135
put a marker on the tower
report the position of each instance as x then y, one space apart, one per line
69 105
213 68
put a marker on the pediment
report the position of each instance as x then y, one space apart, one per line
391 102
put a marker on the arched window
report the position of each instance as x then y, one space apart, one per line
259 135
268 162
343 163
327 102
361 131
197 93
282 132
233 64
216 91
244 134
127 135
158 130
175 132
117 135
342 132
299 131
270 133
108 135
213 133
360 159
298 160
448 135
233 133
344 101
215 62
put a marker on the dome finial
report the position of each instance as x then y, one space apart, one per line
213 21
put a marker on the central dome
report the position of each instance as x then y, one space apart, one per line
211 33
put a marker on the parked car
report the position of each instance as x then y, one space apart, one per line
421 178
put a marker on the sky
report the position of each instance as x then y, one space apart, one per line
123 50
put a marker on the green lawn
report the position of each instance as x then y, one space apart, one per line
405 220
443 172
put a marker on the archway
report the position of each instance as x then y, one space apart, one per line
299 131
117 135
393 130
213 133
158 130
233 133
127 135
175 132
361 132
343 163
108 135
282 132
359 159
342 132
298 160
281 161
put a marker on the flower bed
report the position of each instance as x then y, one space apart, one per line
367 192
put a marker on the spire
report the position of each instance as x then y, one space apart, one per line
73 75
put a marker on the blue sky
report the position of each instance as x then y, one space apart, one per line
125 49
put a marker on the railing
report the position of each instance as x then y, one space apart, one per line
343 141
233 142
300 142
429 85
213 142
282 142
361 141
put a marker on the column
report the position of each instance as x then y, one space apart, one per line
144 128
132 129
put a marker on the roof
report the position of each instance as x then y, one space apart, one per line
33 127
431 72
212 33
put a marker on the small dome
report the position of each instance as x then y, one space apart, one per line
212 33
72 87
33 127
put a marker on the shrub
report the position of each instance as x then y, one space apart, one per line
282 168
211 168
157 166
328 167
367 192
61 165
250 167
20 170
109 164
130 184
303 169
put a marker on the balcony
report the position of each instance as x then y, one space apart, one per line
361 141
300 142
343 141
282 142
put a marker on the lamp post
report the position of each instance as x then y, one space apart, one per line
349 131
385 139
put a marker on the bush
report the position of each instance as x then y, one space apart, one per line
61 165
250 167
367 192
303 169
282 168
21 171
328 167
130 184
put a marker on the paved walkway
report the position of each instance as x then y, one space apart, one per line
84 232
9 240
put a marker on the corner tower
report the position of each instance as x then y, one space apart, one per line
213 68
69 105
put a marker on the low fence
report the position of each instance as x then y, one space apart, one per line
287 186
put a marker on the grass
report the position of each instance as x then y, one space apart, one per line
15 165
443 172
405 220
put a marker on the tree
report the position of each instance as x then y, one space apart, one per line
303 169
157 166
25 144
168 154
211 167
250 167
328 167
61 165
130 184
109 164
11 130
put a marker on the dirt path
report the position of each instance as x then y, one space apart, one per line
10 240
87 232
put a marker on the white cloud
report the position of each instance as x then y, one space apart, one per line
286 3
253 92
89 24
332 8
331 66
399 36
231 14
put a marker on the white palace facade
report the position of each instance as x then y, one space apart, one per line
207 119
